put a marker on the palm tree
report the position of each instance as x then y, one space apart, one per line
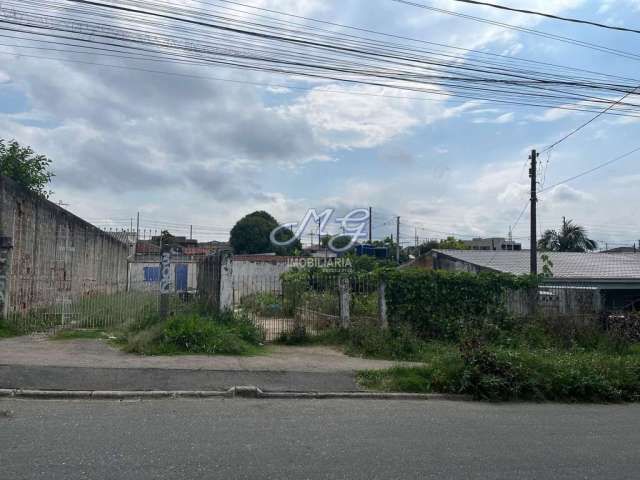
570 238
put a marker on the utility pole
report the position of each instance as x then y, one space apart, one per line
190 232
534 200
370 222
138 227
398 240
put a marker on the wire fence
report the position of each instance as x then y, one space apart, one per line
76 287
65 299
305 307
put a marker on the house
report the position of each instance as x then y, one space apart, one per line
616 277
144 267
622 250
496 243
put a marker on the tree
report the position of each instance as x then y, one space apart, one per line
167 237
570 238
450 243
25 167
251 234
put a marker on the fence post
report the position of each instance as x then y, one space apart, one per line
345 301
383 322
165 279
5 264
226 281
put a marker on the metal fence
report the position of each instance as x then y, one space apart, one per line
308 306
65 299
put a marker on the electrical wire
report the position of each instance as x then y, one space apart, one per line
549 15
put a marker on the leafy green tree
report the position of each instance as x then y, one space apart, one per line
25 167
450 243
570 238
251 234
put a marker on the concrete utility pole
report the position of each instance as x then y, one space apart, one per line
534 201
138 228
370 222
398 240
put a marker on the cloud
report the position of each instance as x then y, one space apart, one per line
566 194
551 115
500 119
370 117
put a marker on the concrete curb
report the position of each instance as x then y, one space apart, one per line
239 391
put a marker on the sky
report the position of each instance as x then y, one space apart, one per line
206 150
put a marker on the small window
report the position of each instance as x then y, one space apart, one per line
152 274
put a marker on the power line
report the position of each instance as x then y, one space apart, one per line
402 68
586 172
591 120
549 15
531 31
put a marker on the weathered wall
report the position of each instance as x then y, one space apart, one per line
252 274
140 281
56 256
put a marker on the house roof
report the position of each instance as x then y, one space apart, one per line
566 265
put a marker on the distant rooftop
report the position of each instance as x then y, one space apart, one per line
610 266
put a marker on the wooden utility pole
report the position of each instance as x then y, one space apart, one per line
534 201
370 222
398 240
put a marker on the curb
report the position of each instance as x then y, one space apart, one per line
238 391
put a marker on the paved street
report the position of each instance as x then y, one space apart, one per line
241 438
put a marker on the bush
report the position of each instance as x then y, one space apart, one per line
223 334
498 374
5 330
267 304
397 343
442 304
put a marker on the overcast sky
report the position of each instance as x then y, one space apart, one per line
198 150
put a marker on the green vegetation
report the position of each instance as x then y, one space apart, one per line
265 304
331 336
570 238
499 374
25 167
251 234
441 304
6 330
190 333
96 311
534 361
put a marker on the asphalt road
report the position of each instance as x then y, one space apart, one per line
299 439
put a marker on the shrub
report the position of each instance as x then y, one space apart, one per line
398 343
192 333
484 375
6 330
442 304
266 304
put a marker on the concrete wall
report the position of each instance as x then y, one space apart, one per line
260 273
56 256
